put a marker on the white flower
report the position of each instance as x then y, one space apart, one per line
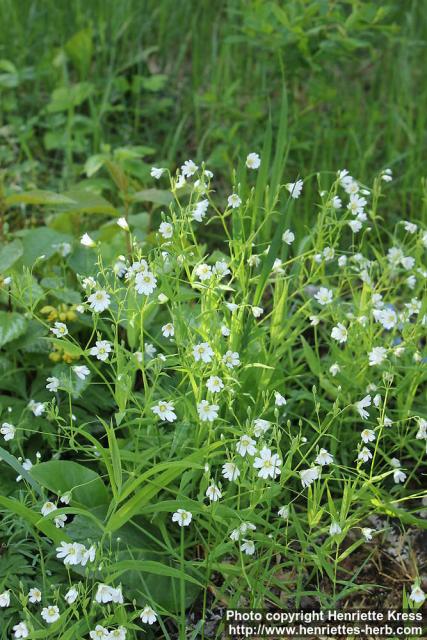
99 301
417 594
364 454
149 349
71 595
283 512
279 400
4 599
157 172
387 175
38 408
257 312
334 369
88 555
165 410
230 471
336 202
145 282
213 493
81 371
8 431
295 188
168 330
377 356
182 517
324 296
253 161
47 508
52 384
422 429
207 412
123 224
199 211
261 426
328 253
71 552
234 201
334 529
248 547
214 384
101 350
387 317
166 230
342 261
241 530
180 182
288 237
106 593
367 435
60 521
221 268
361 407
410 227
117 634
59 329
203 352
225 331
147 615
203 272
268 464
314 321
50 614
308 476
189 168
411 282
21 630
34 595
367 533
356 204
27 465
246 445
324 457
399 476
99 633
86 240
231 359
350 185
339 333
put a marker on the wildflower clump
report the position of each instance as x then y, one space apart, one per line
250 412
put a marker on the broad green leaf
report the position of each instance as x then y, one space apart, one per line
88 202
66 98
69 347
63 476
37 197
158 196
9 254
12 325
93 164
41 241
79 49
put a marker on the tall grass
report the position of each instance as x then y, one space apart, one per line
206 77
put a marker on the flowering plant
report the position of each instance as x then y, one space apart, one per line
193 426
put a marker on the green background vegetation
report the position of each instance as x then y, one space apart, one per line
202 78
